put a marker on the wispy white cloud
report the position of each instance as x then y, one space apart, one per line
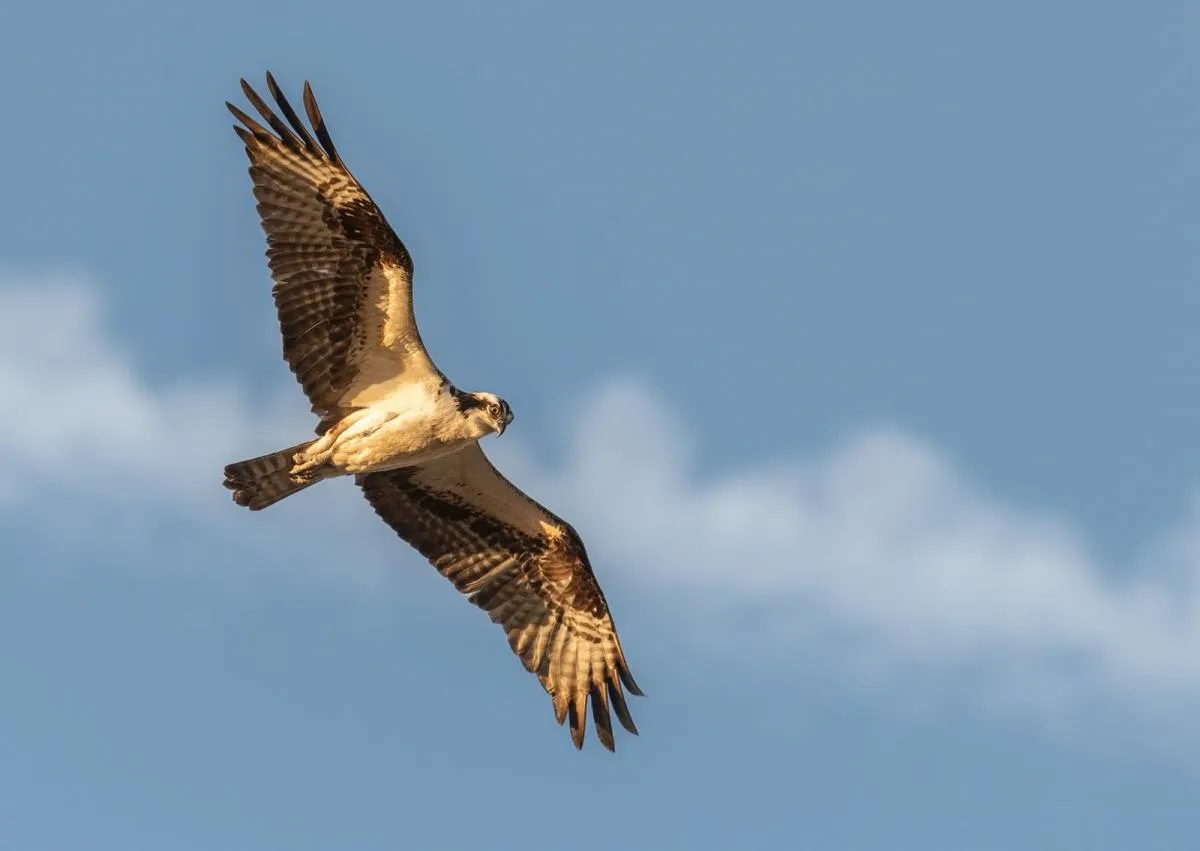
878 550
83 418
881 552
86 435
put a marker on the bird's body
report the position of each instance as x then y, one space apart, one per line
410 425
390 418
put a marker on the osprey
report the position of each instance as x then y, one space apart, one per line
389 417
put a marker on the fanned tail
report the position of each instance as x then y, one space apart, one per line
259 482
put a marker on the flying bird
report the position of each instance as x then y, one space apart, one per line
389 417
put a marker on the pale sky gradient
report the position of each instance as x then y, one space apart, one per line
857 341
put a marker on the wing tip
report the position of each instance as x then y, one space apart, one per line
560 707
578 725
318 123
292 134
571 710
600 717
627 678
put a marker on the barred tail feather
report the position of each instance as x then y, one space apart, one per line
259 482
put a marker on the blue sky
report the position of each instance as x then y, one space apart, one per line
856 340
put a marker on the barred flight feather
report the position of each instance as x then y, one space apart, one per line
490 540
343 279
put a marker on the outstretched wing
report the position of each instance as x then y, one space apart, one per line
522 565
343 279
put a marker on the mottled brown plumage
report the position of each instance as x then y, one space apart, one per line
343 279
343 290
522 565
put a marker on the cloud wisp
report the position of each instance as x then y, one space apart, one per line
877 550
882 553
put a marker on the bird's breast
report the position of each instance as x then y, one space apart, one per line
384 441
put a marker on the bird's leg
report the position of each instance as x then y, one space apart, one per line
307 463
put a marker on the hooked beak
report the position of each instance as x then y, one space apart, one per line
508 418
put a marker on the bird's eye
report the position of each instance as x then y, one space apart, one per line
493 409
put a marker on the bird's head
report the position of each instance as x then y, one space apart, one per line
486 412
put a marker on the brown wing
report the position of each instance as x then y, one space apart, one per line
522 565
343 279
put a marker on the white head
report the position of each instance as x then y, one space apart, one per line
485 413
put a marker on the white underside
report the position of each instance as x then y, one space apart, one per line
412 424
